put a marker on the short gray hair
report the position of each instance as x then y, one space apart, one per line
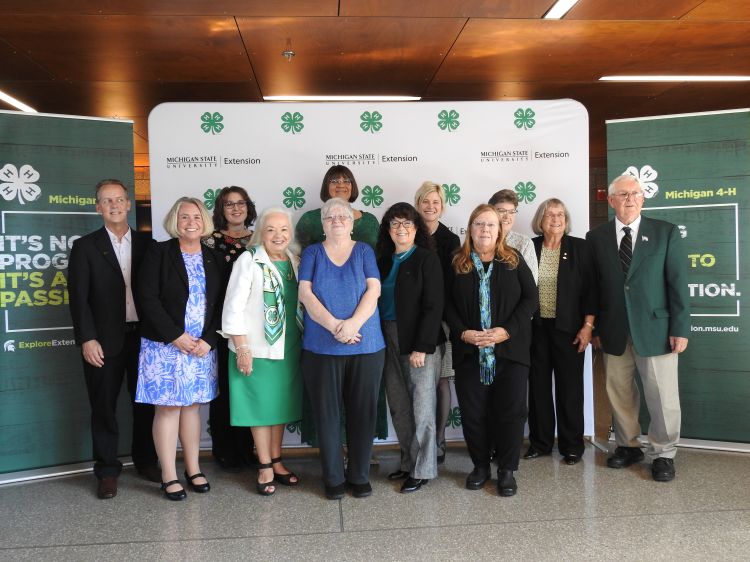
623 178
336 202
256 238
536 222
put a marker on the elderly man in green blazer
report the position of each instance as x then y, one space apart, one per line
643 324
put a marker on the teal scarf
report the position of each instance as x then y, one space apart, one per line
486 354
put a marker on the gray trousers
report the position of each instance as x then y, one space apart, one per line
412 400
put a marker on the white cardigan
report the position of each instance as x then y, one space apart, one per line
243 304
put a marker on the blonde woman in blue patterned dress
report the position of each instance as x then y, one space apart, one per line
181 299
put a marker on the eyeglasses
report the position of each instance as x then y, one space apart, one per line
480 225
503 212
554 215
340 181
336 218
394 224
625 195
232 204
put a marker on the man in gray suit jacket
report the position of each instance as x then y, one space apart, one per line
643 324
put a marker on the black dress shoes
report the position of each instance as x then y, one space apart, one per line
478 477
150 472
413 484
662 470
107 488
175 496
624 457
571 458
398 475
506 484
361 490
336 492
198 488
533 453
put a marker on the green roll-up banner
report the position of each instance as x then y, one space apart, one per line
49 165
696 173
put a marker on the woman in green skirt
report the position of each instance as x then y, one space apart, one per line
262 321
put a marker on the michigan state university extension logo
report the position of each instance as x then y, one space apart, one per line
19 184
212 122
525 191
294 197
524 118
451 193
372 196
9 345
646 175
210 197
292 122
448 120
371 121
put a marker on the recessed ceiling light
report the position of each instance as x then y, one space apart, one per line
342 98
559 9
675 78
15 103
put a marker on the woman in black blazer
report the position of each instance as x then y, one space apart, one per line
561 331
181 299
492 298
411 308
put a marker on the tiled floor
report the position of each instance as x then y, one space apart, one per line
583 512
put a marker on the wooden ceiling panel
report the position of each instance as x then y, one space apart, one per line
173 7
728 10
570 51
447 8
631 10
131 48
15 65
347 55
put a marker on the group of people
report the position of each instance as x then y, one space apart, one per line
317 323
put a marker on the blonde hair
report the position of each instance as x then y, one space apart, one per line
170 221
462 259
425 189
536 222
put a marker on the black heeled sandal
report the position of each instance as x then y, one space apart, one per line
174 496
265 488
199 488
285 479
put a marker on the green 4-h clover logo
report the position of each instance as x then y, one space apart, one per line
294 197
372 196
210 197
292 123
371 121
525 191
448 120
451 192
294 427
454 418
19 184
524 118
212 123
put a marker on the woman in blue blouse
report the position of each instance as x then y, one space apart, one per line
343 347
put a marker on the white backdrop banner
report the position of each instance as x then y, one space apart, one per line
279 152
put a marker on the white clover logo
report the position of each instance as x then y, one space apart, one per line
646 175
20 184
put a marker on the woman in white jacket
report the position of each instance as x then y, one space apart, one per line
262 320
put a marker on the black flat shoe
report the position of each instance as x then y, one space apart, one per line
478 477
336 492
198 488
361 490
571 458
398 475
662 469
624 457
506 484
180 494
265 488
413 484
288 479
533 453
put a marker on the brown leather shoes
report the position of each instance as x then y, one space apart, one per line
107 488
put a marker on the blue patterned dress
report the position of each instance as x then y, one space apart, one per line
167 377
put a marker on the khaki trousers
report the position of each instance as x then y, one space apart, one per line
659 378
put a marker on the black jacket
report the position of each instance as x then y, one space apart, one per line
164 292
446 244
514 299
419 300
576 285
96 288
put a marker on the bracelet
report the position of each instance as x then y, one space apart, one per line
243 346
245 354
589 324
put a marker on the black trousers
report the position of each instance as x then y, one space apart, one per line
234 445
350 383
553 351
103 385
493 414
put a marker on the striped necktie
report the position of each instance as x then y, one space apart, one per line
626 250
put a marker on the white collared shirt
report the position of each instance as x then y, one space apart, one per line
634 226
123 252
